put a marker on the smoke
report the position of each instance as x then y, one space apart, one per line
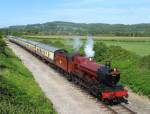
89 47
77 43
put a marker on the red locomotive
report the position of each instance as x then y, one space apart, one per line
100 80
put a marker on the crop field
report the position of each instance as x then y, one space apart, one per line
132 57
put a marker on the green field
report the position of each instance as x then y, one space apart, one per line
140 48
19 92
94 37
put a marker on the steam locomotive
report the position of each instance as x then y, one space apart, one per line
100 80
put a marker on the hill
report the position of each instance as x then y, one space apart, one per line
69 28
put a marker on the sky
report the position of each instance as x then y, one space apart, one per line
22 12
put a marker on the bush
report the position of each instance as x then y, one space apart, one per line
145 62
101 52
2 45
47 41
58 44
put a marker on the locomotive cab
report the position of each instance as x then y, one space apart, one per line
108 76
111 91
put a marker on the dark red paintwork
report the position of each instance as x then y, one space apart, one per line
61 60
85 68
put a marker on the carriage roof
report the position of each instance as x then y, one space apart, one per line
40 45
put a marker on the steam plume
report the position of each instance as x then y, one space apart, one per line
89 47
77 43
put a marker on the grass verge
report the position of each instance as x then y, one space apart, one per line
19 92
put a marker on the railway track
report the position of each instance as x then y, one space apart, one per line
120 109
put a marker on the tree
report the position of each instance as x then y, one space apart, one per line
2 45
0 35
100 51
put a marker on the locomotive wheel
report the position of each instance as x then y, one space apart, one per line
94 91
69 77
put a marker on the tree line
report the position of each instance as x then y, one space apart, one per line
68 28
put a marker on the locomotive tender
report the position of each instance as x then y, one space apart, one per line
100 80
